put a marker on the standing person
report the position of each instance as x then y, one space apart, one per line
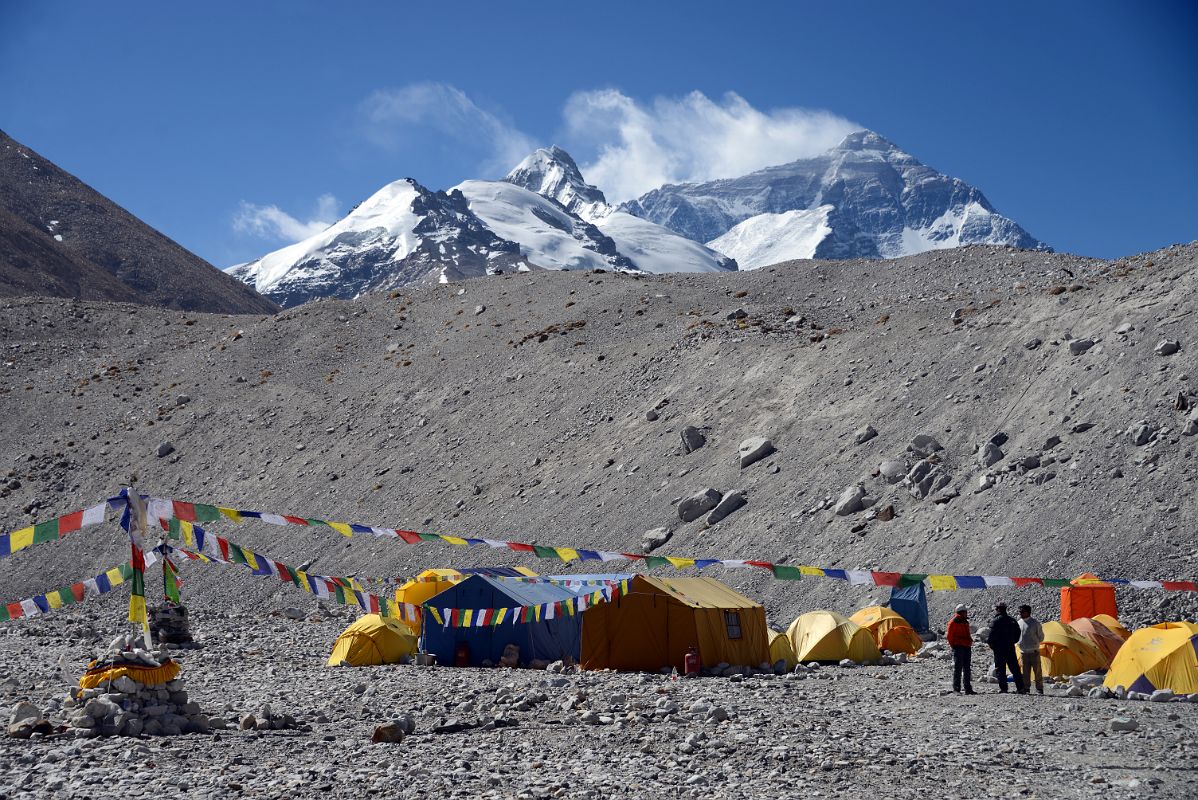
960 639
1004 635
1031 634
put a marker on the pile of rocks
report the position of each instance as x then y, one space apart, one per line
267 720
1090 684
125 707
169 625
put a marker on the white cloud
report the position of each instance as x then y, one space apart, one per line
639 146
271 222
395 116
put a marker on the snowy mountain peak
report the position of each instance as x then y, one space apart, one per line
552 173
865 140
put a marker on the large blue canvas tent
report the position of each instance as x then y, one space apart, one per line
547 640
911 603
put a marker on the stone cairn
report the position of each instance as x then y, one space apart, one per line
169 625
124 707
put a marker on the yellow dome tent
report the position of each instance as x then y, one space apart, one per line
781 650
371 640
889 629
1113 625
1163 656
828 636
1107 641
1066 652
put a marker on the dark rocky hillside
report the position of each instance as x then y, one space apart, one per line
61 238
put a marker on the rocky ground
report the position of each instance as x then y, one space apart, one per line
583 409
836 732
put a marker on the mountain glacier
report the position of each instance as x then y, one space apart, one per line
875 201
864 198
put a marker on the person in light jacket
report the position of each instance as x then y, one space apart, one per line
1031 634
1004 634
960 640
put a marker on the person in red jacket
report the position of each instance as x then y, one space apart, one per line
960 639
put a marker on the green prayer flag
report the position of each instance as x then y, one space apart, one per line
206 513
911 578
45 531
785 573
544 552
653 562
1056 582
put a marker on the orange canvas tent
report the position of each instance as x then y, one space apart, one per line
1086 596
1106 640
659 619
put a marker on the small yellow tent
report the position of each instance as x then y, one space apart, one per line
781 650
890 630
1113 625
1107 641
1065 652
1163 656
828 636
370 640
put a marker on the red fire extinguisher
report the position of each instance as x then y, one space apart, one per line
461 655
691 664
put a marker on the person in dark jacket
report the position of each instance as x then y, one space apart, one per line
1004 635
961 641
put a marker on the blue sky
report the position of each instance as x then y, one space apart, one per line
236 127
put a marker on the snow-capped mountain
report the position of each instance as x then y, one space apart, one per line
865 198
552 173
405 233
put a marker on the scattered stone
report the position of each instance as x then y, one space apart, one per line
387 734
1050 442
479 309
695 506
1167 347
652 415
1079 346
182 400
924 445
893 470
730 502
165 449
1124 724
655 538
1142 433
851 500
1032 344
886 513
864 434
990 454
1125 329
23 711
692 439
754 449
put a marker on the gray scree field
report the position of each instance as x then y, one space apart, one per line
973 411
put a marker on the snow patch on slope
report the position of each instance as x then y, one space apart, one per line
657 249
772 238
547 235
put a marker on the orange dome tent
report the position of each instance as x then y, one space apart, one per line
890 630
1107 641
1113 625
1088 595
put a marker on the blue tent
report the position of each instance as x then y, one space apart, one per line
548 640
911 603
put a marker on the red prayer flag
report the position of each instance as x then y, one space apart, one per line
78 590
284 573
761 564
409 537
633 556
1180 586
295 520
15 610
70 522
520 547
1028 581
224 547
184 511
887 578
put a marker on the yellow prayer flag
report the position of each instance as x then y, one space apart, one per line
342 528
137 609
680 563
537 612
813 571
19 540
187 530
499 615
231 513
464 617
942 583
567 553
115 577
54 599
453 540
